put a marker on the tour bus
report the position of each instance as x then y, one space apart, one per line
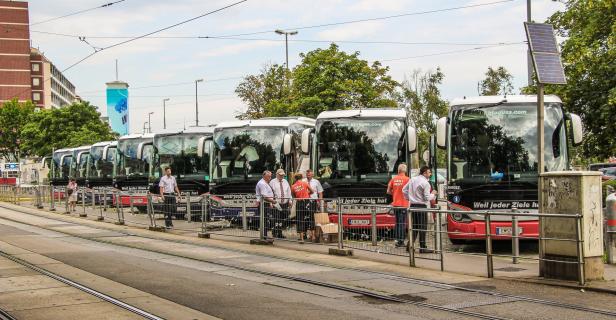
187 153
491 144
354 154
242 150
60 169
77 169
99 168
133 169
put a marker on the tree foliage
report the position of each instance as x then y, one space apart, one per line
263 92
13 117
70 126
496 82
589 54
326 79
421 97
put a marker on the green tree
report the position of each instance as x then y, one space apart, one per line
330 79
13 117
589 54
70 126
264 93
421 97
497 82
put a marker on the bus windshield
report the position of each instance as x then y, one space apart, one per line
179 152
128 163
359 148
499 143
246 152
78 170
99 167
61 170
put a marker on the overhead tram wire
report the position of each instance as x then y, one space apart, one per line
78 12
296 28
169 84
452 52
143 36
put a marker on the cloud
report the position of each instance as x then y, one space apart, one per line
352 31
234 49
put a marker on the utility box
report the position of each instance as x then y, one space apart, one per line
570 193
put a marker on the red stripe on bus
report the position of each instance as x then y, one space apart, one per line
611 223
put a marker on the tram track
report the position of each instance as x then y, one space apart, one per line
71 283
358 291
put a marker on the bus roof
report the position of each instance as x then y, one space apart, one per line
364 113
105 143
200 129
137 136
509 99
266 122
82 148
63 150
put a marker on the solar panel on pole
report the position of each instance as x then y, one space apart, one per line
544 50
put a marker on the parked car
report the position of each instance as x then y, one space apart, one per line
608 173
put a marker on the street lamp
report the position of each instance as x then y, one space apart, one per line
286 42
197 102
150 122
144 124
165 113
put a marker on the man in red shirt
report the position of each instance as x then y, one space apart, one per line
394 188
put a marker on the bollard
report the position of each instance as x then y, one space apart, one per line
340 225
205 201
104 199
83 203
52 202
15 201
580 250
244 217
515 237
411 238
100 208
119 209
439 239
373 226
39 200
130 202
490 263
188 215
262 230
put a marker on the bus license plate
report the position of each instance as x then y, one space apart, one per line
506 231
361 222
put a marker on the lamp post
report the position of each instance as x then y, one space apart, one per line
197 102
150 122
286 43
165 113
144 124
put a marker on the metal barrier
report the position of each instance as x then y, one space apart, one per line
416 233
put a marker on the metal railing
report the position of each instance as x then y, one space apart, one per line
416 233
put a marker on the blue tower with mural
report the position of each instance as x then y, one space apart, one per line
117 107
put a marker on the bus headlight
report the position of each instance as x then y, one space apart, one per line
460 217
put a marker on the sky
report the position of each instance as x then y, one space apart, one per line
157 67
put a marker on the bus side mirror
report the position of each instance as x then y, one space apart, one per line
441 132
411 139
202 146
105 152
306 141
140 148
576 127
79 155
287 143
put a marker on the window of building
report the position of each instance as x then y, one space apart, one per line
36 67
36 82
36 96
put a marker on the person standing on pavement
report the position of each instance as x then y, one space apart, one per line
71 192
301 192
265 195
168 186
399 203
417 191
282 195
316 200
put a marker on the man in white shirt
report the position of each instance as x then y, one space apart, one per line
282 195
418 192
316 198
168 185
315 185
265 194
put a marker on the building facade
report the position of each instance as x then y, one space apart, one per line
25 73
